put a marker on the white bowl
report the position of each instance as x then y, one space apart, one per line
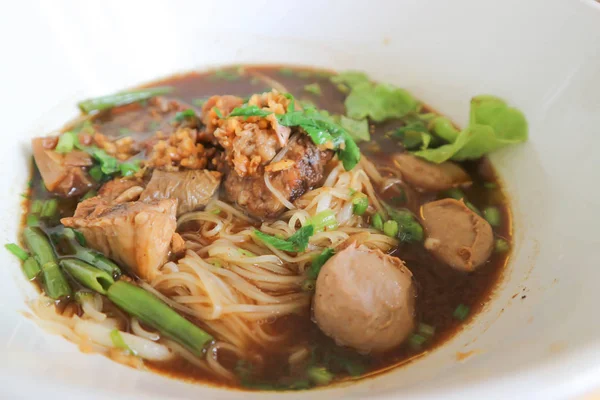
540 55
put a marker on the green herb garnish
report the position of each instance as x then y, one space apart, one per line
182 115
298 242
66 142
313 88
121 98
357 129
249 111
218 112
318 262
16 250
492 125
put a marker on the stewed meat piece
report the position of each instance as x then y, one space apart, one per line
193 188
428 176
300 169
365 299
456 235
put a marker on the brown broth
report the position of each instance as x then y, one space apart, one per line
440 288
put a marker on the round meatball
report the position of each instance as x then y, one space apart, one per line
428 176
365 299
456 235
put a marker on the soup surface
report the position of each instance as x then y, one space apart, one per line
269 347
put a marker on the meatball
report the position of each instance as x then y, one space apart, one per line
456 235
365 299
428 176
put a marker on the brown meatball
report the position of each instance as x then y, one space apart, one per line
428 176
365 299
456 235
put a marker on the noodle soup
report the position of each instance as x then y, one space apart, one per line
199 227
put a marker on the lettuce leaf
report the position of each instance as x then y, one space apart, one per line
357 129
492 125
377 101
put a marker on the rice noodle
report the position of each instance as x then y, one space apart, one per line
276 193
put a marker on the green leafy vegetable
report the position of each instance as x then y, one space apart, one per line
49 209
390 228
377 101
318 262
295 243
360 203
357 129
129 168
461 312
96 173
182 115
413 135
313 88
249 111
409 230
492 125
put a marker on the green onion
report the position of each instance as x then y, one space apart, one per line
32 220
455 194
96 173
81 296
492 215
313 88
118 342
156 314
377 221
390 228
74 240
416 341
55 284
89 194
36 206
121 98
472 207
501 246
324 219
66 142
49 209
16 250
218 112
319 375
89 276
425 330
215 211
409 229
318 262
182 115
31 268
461 312
360 202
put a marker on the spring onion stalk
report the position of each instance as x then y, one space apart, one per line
461 312
16 250
55 283
31 268
377 221
390 228
87 275
319 375
81 296
501 246
158 315
32 220
90 256
49 209
121 98
118 342
416 340
36 206
426 330
66 143
492 215
360 202
324 219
